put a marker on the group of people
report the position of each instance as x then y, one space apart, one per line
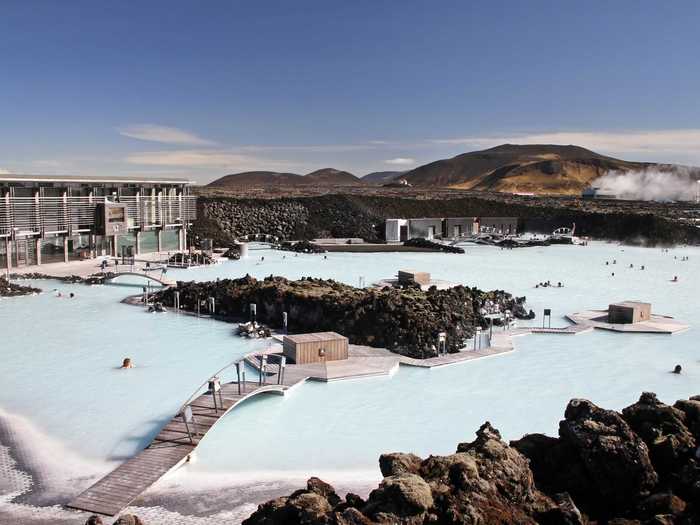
548 284
71 295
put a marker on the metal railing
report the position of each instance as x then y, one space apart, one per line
69 213
238 366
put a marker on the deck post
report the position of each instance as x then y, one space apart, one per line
280 373
263 370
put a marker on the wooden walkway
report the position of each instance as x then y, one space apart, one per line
159 280
170 448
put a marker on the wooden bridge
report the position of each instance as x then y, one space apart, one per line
176 440
160 280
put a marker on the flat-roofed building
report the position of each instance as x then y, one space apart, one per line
65 218
456 227
396 230
425 228
500 225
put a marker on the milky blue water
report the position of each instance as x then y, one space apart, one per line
60 361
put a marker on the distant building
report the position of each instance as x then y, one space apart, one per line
499 225
399 230
396 230
457 227
425 228
61 218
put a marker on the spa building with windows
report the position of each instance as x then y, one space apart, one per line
46 219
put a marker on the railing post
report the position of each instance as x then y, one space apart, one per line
263 370
282 366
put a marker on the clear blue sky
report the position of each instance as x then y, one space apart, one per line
201 89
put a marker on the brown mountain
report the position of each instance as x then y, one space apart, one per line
328 176
322 177
536 168
257 178
381 177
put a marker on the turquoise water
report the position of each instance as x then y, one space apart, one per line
60 360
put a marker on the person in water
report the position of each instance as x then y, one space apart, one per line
127 363
675 279
71 295
677 369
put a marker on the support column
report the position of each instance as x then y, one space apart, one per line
8 252
159 239
65 248
114 247
183 239
137 248
38 250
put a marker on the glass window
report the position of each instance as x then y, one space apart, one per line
52 250
171 240
148 242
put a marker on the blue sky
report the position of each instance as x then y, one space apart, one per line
201 89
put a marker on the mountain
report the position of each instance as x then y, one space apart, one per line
537 168
330 176
381 177
322 177
257 178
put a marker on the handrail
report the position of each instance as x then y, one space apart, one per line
195 394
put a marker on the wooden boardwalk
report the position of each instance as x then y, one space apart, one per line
170 448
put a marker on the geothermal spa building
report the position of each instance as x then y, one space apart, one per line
61 219
399 230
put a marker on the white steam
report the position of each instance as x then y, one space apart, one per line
675 184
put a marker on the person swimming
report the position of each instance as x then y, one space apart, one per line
677 369
71 295
127 363
675 279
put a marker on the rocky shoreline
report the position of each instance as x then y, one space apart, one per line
406 321
225 219
637 467
8 289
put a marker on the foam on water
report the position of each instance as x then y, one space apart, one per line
60 360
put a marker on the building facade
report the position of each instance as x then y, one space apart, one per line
61 219
399 230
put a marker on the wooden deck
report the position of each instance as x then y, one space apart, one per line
169 449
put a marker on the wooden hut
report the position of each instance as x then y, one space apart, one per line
315 348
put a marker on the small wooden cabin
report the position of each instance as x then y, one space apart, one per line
412 276
628 312
315 348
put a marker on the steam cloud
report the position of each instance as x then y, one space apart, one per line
676 184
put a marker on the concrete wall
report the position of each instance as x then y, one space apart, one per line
393 229
503 225
459 227
422 228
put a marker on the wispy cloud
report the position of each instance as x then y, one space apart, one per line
163 134
401 161
205 158
683 142
310 148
